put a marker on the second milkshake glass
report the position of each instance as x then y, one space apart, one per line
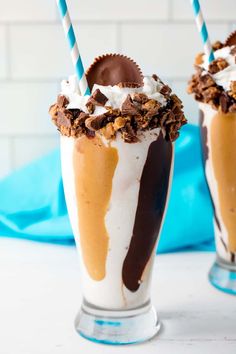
214 87
218 131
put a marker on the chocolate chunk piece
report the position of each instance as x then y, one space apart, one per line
95 123
176 100
233 50
206 81
80 121
151 107
210 94
231 40
53 111
150 104
165 90
75 112
217 45
62 101
129 85
98 98
224 102
129 134
140 98
155 77
128 107
217 65
90 106
112 69
64 118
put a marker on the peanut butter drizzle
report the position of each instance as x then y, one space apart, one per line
94 166
223 145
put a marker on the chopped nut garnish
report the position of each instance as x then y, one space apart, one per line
137 113
199 59
119 123
108 131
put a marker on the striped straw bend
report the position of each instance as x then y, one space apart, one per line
76 58
201 25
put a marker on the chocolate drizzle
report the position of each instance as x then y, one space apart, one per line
205 149
232 255
152 199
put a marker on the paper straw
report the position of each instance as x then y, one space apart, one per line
201 25
74 50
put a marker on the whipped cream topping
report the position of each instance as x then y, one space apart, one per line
223 77
116 95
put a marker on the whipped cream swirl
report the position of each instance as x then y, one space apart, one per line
116 95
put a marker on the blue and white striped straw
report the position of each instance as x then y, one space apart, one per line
74 50
201 25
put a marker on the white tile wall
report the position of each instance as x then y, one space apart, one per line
44 52
25 108
3 52
27 10
167 49
120 10
212 9
38 51
159 34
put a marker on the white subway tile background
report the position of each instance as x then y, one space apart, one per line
159 34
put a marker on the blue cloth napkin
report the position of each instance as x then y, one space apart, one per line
32 203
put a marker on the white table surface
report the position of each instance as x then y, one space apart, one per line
40 295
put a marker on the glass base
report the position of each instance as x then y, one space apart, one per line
223 277
117 327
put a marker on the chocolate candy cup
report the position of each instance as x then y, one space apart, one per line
114 69
231 40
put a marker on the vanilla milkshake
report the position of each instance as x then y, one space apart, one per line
214 86
117 159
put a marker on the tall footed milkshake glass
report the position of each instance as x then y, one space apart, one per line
214 86
218 131
117 162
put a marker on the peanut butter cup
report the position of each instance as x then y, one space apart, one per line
114 69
